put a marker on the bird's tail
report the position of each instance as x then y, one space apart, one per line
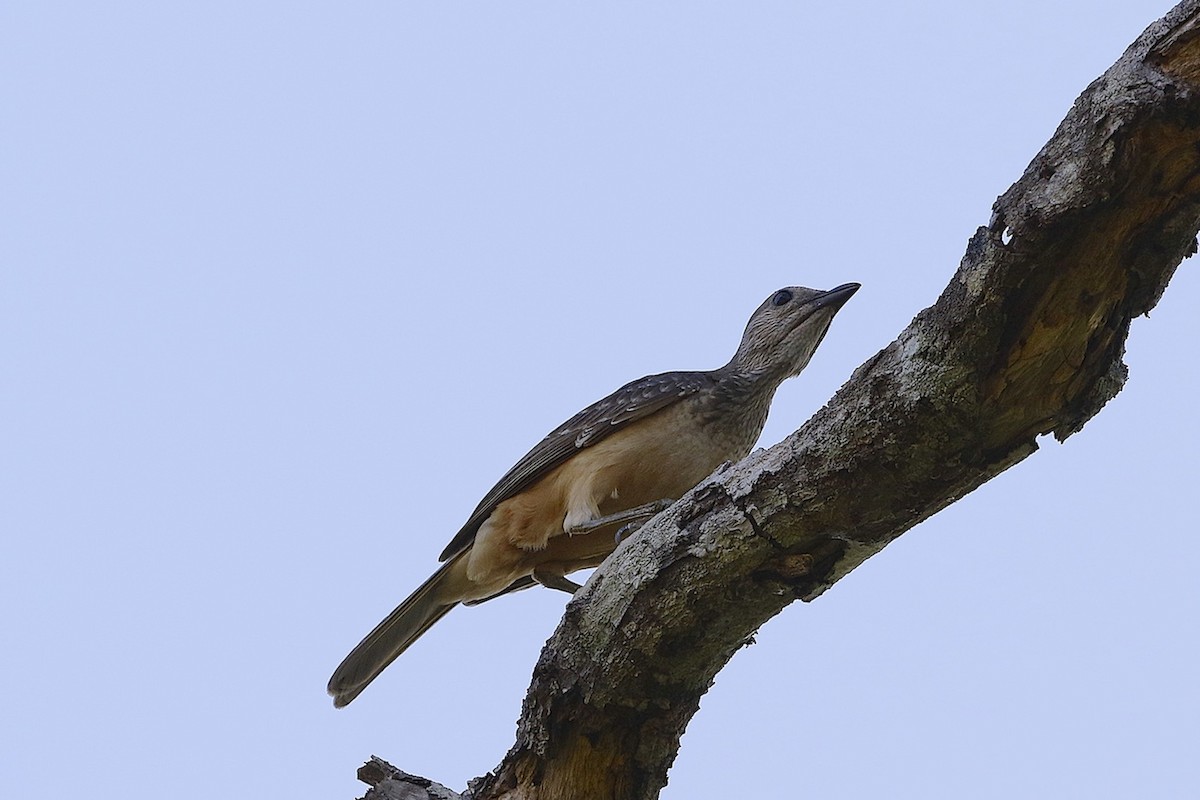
393 636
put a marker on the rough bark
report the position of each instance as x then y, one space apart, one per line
1027 339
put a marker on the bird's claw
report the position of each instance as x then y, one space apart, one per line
626 529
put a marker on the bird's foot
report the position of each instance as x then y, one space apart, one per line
627 529
554 580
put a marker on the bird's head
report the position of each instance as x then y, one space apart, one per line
783 333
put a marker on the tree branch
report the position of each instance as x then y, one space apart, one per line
1026 340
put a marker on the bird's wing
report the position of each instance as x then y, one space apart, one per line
633 401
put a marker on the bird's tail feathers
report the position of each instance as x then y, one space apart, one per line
395 634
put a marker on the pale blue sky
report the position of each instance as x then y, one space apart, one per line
286 287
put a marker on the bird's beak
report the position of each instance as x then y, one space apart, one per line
835 298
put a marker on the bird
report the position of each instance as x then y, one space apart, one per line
607 469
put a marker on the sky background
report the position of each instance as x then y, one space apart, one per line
286 287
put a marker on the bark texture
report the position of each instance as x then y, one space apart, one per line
1027 339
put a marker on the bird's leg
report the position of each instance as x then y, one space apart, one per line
634 518
629 515
553 580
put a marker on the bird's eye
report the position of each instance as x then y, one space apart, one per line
781 297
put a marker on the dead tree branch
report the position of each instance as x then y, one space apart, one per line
1027 339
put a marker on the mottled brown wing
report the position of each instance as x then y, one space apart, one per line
633 401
